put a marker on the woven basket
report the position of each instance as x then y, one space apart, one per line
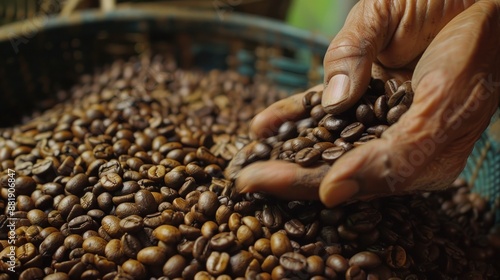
59 49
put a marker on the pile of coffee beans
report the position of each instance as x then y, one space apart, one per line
125 180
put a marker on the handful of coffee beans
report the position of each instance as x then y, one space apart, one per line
323 138
125 180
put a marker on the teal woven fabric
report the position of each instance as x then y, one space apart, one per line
483 166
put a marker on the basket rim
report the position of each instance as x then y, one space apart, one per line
243 25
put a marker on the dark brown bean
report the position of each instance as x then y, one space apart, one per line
352 132
307 156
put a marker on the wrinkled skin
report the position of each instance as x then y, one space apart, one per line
449 50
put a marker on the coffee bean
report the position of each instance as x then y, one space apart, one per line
114 251
280 244
315 265
24 185
32 273
131 223
51 243
396 257
174 266
332 123
208 203
272 217
111 181
134 268
217 263
355 273
154 256
222 241
127 209
395 113
239 263
168 234
306 100
57 276
26 252
380 108
293 261
337 263
366 260
294 228
189 232
81 224
77 184
352 132
365 114
73 241
145 202
307 156
94 245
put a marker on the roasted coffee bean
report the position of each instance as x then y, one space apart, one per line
352 132
174 266
217 263
395 113
307 156
365 114
189 232
168 234
396 257
131 223
332 123
294 228
77 184
130 245
208 203
134 268
272 217
114 251
280 244
293 261
355 273
127 209
88 201
81 224
222 241
24 185
145 202
111 225
51 243
94 245
330 155
154 256
380 108
365 260
337 263
317 112
73 241
32 273
239 262
111 181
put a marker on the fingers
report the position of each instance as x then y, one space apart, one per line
284 179
267 122
350 55
430 144
393 32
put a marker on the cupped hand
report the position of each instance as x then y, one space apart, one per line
449 50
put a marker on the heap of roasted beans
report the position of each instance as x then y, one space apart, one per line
126 179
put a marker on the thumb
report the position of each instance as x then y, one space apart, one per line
349 58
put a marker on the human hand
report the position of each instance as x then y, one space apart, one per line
450 52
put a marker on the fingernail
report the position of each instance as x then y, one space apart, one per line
339 192
336 92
